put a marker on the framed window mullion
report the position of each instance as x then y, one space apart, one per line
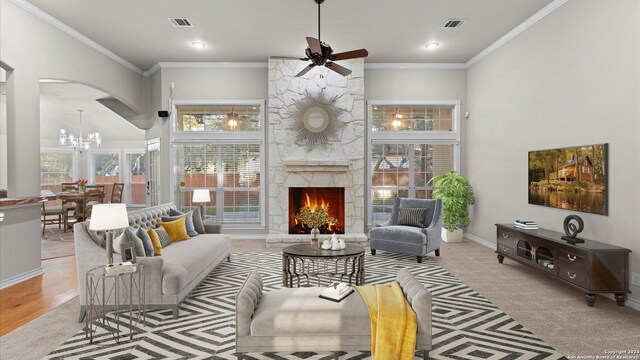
220 186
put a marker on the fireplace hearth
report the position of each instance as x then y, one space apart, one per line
330 198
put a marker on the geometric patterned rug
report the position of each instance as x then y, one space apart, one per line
465 325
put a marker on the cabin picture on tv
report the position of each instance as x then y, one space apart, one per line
573 178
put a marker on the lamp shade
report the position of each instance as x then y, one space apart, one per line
201 196
109 217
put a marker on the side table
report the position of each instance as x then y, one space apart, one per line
114 292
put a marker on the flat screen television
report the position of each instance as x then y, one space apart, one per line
571 178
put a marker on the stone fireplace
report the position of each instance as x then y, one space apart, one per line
329 198
337 163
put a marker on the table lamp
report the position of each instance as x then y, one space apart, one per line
201 196
109 217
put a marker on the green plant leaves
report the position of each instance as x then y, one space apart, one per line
456 193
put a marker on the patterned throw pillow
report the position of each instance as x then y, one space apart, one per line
155 240
189 224
164 237
411 217
176 229
146 241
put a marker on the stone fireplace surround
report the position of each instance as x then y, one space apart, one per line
340 163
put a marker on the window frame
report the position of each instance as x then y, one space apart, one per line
408 137
126 178
74 162
177 137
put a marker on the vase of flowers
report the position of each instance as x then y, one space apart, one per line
81 184
315 218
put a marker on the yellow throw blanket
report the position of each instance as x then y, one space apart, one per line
393 322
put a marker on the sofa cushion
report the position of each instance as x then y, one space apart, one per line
412 217
399 233
142 234
164 236
129 236
184 260
428 204
188 223
300 312
176 229
155 240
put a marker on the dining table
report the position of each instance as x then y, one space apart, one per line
81 198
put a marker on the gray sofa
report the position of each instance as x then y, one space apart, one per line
292 320
410 240
169 278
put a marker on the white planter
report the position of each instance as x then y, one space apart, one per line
451 236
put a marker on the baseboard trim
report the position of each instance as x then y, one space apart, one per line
22 277
480 241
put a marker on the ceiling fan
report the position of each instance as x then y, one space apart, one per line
321 54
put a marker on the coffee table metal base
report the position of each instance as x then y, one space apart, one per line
322 265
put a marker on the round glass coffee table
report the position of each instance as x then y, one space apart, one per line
333 265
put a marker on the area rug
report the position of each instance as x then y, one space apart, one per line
57 243
465 324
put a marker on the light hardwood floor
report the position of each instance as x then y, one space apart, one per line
30 299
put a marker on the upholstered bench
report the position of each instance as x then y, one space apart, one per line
292 320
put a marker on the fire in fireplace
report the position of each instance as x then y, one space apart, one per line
329 198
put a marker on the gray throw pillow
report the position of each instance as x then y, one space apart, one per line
188 223
129 236
197 221
146 241
411 217
164 236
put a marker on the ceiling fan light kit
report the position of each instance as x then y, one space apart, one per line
321 54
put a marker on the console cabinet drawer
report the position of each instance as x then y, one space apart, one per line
572 257
507 238
572 274
506 247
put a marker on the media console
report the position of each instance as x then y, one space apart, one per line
591 266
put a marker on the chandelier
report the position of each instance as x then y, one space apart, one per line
80 143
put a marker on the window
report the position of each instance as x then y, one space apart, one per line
585 169
56 167
409 145
104 168
136 187
216 118
220 147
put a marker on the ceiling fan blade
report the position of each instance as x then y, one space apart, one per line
350 54
337 68
314 45
306 70
287 58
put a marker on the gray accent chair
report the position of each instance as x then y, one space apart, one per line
169 278
296 319
410 240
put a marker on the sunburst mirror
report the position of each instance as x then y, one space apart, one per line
315 120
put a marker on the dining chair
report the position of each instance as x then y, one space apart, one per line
93 194
51 216
116 193
68 206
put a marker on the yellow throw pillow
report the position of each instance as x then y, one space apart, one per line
177 229
155 240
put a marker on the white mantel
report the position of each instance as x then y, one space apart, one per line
338 164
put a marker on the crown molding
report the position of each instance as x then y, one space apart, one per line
516 31
205 65
440 66
36 11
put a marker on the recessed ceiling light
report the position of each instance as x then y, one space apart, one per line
432 45
198 45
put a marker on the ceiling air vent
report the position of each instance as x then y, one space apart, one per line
180 22
454 23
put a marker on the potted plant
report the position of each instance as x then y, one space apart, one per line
456 194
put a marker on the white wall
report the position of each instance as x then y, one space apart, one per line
571 79
36 50
199 84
